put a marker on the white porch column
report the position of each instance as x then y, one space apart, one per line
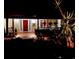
59 23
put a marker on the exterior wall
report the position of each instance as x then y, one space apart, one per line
31 24
17 25
10 25
5 25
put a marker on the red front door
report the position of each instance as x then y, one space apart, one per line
25 25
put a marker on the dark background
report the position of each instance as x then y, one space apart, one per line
40 8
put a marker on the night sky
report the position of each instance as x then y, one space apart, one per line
40 8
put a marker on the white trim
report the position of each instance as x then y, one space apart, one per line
22 24
28 24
